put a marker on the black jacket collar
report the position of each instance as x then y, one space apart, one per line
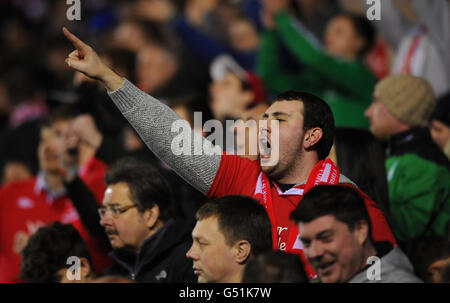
417 141
171 234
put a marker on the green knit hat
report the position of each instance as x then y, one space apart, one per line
410 99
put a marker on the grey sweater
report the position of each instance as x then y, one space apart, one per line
154 122
395 268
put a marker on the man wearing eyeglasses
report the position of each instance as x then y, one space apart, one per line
148 244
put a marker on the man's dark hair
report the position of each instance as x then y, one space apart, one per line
240 218
147 185
365 30
342 202
275 267
47 252
62 112
317 113
353 148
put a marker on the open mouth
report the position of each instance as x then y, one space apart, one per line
265 148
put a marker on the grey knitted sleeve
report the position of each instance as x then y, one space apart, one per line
154 121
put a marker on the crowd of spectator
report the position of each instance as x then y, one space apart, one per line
362 115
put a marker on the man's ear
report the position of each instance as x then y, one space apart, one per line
361 232
242 249
312 136
151 216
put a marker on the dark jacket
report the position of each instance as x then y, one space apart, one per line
162 258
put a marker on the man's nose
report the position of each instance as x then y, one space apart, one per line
106 219
368 111
191 253
314 251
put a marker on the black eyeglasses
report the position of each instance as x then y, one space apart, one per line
115 210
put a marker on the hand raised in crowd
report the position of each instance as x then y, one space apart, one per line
267 19
154 10
271 8
80 142
85 60
83 126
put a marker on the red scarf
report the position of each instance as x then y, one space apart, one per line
325 172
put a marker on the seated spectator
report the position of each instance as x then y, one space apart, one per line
337 72
233 92
335 230
418 172
440 124
233 89
229 232
43 199
275 267
45 259
148 244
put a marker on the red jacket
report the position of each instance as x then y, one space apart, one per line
240 176
26 206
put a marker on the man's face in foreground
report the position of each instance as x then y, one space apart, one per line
213 258
280 149
127 229
333 250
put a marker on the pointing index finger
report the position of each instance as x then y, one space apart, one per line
74 39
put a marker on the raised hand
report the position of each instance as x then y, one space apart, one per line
85 129
85 60
270 9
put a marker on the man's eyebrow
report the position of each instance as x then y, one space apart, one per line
305 240
199 238
276 114
112 204
325 233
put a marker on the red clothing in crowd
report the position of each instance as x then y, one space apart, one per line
240 176
26 206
